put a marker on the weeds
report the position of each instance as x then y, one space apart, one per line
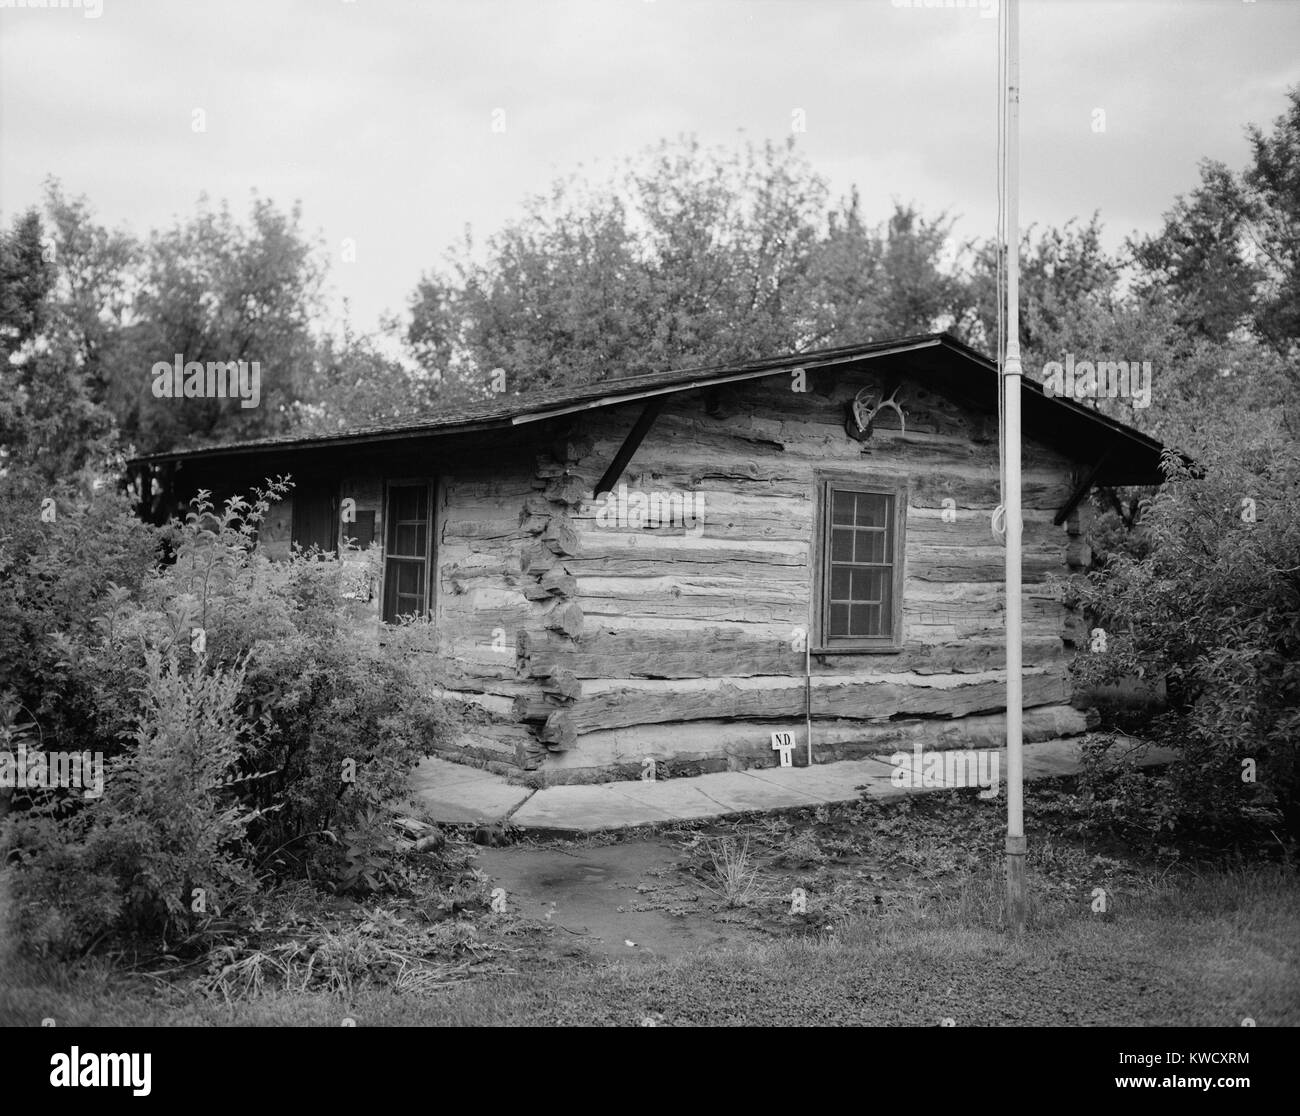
381 949
737 880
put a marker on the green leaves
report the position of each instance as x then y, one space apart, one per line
687 255
1211 605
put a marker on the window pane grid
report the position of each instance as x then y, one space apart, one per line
406 560
860 565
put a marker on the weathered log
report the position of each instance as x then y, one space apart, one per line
559 733
569 490
972 488
548 467
536 557
716 652
533 708
761 602
566 617
560 582
628 703
748 742
501 488
560 536
562 684
533 524
487 628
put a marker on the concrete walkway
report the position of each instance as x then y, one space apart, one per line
455 794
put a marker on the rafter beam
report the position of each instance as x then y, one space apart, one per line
634 438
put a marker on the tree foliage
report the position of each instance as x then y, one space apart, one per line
687 256
1229 252
1211 606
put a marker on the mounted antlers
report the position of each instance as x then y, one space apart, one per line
863 412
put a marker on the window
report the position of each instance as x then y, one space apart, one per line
860 565
406 556
315 517
361 533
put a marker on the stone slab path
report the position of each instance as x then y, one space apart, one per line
455 794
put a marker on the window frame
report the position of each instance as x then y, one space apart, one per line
388 525
826 483
297 515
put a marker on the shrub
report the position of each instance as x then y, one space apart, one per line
166 839
341 720
1212 606
247 723
56 579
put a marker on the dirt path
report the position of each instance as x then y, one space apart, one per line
607 896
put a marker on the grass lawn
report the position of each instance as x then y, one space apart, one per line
1206 954
904 930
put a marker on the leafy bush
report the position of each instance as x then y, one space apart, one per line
1212 606
56 578
342 720
249 726
165 840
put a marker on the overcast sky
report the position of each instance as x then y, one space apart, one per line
377 114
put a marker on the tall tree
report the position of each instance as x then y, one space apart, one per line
52 423
1200 256
688 255
867 283
1065 273
97 276
1273 183
1229 252
561 297
25 281
359 381
213 289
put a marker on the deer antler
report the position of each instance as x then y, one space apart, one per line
865 414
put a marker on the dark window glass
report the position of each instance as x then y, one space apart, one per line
315 517
362 532
861 562
406 562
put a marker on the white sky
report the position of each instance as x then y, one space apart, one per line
377 114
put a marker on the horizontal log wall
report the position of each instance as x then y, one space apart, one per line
699 624
720 745
481 602
582 646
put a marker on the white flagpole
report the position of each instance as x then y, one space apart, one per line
1010 385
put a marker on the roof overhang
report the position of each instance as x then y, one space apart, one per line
1114 453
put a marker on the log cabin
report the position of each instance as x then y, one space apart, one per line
677 566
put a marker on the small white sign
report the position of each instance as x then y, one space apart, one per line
783 742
